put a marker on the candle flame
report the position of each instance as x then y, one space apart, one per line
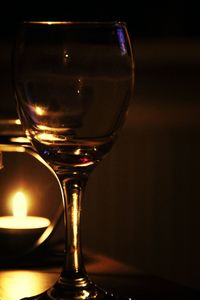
19 205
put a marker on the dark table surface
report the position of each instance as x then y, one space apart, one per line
25 279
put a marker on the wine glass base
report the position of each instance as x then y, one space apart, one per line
107 296
76 294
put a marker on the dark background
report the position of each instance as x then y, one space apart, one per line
143 200
144 18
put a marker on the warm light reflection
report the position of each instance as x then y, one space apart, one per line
40 110
19 205
66 56
11 148
85 294
1 161
43 127
50 137
20 220
20 284
75 220
20 140
17 122
46 137
50 22
77 151
7 122
52 129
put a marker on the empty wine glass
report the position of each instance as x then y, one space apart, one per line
73 83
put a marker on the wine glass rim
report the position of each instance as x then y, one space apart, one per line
123 23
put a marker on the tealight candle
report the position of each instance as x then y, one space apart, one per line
20 230
20 223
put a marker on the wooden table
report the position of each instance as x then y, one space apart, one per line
112 275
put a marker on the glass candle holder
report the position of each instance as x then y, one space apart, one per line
27 216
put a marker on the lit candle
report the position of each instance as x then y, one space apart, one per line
21 228
20 220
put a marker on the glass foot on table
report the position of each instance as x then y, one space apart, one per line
45 296
77 294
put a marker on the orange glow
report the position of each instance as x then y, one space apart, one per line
21 223
20 220
40 110
10 122
46 137
17 122
50 137
52 129
20 284
19 140
50 22
75 220
19 205
11 148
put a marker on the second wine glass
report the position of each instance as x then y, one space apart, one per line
73 84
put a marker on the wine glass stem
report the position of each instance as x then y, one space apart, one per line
73 270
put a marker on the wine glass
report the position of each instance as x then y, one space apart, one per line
73 82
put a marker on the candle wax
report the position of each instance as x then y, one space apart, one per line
18 235
26 222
